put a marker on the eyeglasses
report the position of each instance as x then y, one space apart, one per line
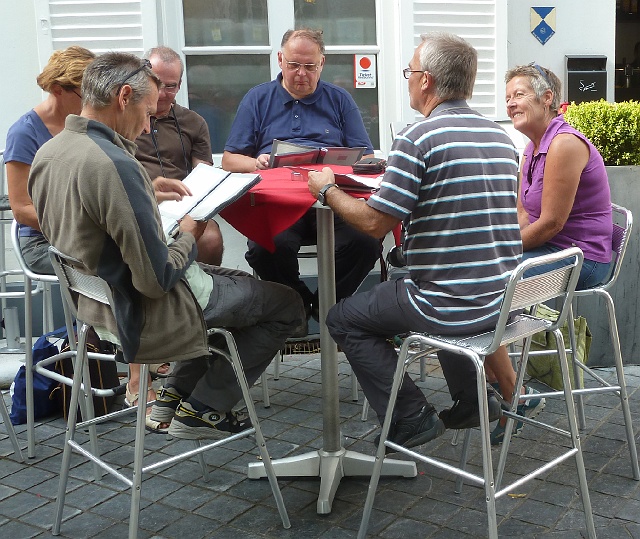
145 63
72 89
541 71
296 66
169 88
406 72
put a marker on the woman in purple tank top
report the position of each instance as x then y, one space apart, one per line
564 201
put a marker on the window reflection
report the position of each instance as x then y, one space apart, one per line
351 22
225 22
217 83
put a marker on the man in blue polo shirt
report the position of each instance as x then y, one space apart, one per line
298 107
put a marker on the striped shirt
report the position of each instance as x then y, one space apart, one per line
452 179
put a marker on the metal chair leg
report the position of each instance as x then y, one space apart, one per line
624 397
575 434
260 441
582 423
70 431
10 430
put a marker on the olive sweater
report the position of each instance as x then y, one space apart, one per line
95 202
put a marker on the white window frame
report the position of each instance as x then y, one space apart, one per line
281 18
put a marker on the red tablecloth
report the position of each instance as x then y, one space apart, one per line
273 205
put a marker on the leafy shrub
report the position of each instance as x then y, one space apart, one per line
613 128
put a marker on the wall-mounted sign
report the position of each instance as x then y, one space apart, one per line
543 23
364 71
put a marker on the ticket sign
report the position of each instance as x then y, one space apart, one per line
364 71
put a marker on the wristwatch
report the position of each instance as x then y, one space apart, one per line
323 192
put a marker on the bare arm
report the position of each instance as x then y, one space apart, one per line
566 159
354 211
195 162
236 162
21 204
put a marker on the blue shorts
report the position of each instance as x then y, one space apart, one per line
592 273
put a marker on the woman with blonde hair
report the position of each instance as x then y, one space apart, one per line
61 79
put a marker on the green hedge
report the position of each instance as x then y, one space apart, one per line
613 128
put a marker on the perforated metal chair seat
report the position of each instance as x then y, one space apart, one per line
523 326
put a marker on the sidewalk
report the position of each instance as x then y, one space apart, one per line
176 503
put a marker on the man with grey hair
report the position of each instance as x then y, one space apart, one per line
95 202
451 178
177 141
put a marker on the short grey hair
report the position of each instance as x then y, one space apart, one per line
540 79
104 77
167 55
452 62
304 33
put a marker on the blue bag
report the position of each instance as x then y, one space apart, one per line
45 402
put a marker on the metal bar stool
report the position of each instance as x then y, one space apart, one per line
34 283
74 282
519 293
623 222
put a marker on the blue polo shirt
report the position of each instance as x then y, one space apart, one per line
327 117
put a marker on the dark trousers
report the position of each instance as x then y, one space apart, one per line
355 255
362 326
260 315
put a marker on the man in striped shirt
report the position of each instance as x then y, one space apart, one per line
451 179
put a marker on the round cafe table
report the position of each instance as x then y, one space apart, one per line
267 209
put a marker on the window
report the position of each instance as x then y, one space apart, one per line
231 46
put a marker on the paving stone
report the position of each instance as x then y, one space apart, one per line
177 503
20 504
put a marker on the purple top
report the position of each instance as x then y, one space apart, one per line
589 225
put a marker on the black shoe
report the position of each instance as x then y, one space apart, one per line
466 415
415 430
191 424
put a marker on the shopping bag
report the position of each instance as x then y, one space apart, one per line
546 368
45 403
103 373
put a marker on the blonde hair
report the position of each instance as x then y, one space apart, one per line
65 68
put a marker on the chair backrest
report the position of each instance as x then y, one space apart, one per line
522 292
4 198
75 281
621 235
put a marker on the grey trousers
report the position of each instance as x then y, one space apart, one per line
362 325
260 315
35 251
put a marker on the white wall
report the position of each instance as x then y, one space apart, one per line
20 64
583 27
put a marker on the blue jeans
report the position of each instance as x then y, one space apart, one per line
592 273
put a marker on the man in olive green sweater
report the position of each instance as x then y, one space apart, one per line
95 202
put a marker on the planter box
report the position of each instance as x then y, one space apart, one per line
625 191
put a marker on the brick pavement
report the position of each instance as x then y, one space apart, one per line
176 503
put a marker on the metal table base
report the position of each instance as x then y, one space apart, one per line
333 462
